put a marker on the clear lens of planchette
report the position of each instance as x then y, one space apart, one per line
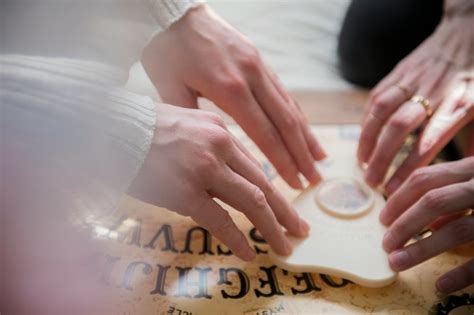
344 197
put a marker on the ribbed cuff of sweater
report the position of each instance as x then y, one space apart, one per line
166 12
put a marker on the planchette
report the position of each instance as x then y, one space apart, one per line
346 236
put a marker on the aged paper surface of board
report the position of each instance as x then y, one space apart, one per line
161 263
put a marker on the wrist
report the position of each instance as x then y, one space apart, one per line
167 13
454 8
194 18
454 31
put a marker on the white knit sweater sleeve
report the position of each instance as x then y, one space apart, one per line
71 137
83 136
166 12
70 117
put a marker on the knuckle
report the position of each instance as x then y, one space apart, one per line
216 119
224 225
420 176
250 59
373 117
208 162
380 106
399 123
219 138
398 230
433 200
234 85
290 121
259 198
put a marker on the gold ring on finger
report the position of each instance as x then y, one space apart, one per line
423 102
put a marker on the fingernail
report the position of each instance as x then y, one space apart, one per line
363 165
361 156
315 177
321 155
399 260
371 177
445 285
304 227
296 183
249 254
393 185
383 217
287 248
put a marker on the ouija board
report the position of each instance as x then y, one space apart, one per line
162 263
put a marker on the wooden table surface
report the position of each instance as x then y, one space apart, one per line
320 107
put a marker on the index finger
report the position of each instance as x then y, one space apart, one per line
378 111
260 129
285 117
250 200
315 148
284 213
219 223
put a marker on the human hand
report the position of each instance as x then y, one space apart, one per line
453 114
437 193
193 159
440 70
202 55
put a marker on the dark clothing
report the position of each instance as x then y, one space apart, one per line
377 34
